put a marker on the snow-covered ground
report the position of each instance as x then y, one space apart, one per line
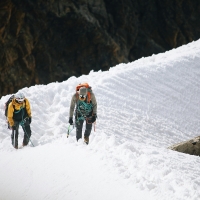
143 108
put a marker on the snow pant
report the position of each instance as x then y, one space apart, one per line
79 127
27 133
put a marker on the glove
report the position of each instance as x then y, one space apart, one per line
93 118
70 121
30 119
13 127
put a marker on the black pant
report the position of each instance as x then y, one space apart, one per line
27 133
79 127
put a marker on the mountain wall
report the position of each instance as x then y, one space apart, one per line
46 41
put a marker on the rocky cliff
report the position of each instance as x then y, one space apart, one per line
45 41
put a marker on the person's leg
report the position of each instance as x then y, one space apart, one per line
79 126
87 131
14 136
27 133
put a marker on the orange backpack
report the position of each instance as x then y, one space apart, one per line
89 90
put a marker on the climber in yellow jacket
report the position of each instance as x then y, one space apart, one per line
19 113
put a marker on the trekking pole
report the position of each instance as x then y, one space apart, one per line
28 136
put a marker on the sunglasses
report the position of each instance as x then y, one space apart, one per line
82 96
20 100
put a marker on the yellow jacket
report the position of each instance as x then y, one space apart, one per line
18 111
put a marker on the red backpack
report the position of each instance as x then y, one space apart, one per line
89 90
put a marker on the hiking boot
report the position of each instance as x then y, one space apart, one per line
24 144
86 139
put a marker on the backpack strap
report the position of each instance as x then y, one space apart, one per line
89 94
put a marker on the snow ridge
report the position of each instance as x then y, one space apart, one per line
143 107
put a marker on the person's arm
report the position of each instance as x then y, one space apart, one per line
72 106
10 114
94 103
28 108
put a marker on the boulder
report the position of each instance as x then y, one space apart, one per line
191 147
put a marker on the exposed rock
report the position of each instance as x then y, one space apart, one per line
191 147
46 41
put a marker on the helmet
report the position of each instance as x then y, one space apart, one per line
19 96
83 91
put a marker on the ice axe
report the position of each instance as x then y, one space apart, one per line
69 131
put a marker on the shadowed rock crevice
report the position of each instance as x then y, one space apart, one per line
46 41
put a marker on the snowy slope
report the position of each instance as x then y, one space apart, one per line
143 107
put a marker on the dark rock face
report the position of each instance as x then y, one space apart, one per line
45 41
191 147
